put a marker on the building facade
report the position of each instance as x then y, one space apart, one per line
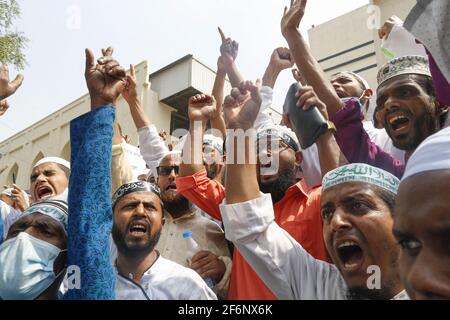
164 95
350 42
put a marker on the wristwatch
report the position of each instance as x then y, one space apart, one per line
331 127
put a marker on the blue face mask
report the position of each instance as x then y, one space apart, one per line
26 267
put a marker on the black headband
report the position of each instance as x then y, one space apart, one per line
139 186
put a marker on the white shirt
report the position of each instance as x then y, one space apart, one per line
165 280
152 148
9 215
280 261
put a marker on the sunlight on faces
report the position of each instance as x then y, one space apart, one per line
358 233
138 219
422 227
407 111
47 180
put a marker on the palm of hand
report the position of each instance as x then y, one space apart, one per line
104 86
229 52
293 16
243 113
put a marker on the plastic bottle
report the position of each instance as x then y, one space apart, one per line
193 248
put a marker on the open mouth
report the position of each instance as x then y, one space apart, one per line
44 192
172 186
351 255
398 122
137 229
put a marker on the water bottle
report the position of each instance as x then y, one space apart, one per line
193 248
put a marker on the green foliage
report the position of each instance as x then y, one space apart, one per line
12 42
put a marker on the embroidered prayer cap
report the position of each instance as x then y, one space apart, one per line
138 186
361 172
432 155
214 142
57 160
55 209
281 132
404 65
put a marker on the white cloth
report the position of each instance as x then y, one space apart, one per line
429 22
432 154
8 215
280 261
165 280
57 160
208 235
402 43
152 148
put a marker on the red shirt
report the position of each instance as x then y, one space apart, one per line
298 213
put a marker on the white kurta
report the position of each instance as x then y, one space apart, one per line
279 260
165 280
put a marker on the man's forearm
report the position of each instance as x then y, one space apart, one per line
140 119
312 72
270 76
193 150
241 180
329 152
217 121
234 75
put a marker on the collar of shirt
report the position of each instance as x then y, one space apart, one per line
300 187
170 219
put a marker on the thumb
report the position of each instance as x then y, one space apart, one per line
17 82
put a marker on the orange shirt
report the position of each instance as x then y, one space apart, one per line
298 213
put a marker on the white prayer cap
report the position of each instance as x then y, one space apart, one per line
57 160
433 154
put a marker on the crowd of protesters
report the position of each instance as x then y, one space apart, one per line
356 210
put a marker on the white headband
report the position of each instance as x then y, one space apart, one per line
433 154
57 160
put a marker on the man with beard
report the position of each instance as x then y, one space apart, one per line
356 205
422 220
297 207
142 273
406 103
213 260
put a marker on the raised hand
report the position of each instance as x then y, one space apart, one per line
8 88
130 93
293 16
242 107
21 200
229 49
281 59
307 98
386 29
4 106
105 80
201 107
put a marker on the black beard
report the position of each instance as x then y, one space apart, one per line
369 294
279 187
134 251
178 205
423 128
211 172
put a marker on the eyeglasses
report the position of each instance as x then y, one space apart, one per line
167 170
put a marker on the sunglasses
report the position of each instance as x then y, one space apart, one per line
167 170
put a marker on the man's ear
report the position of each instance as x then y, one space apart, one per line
368 93
163 222
298 158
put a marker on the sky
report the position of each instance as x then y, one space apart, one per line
159 31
